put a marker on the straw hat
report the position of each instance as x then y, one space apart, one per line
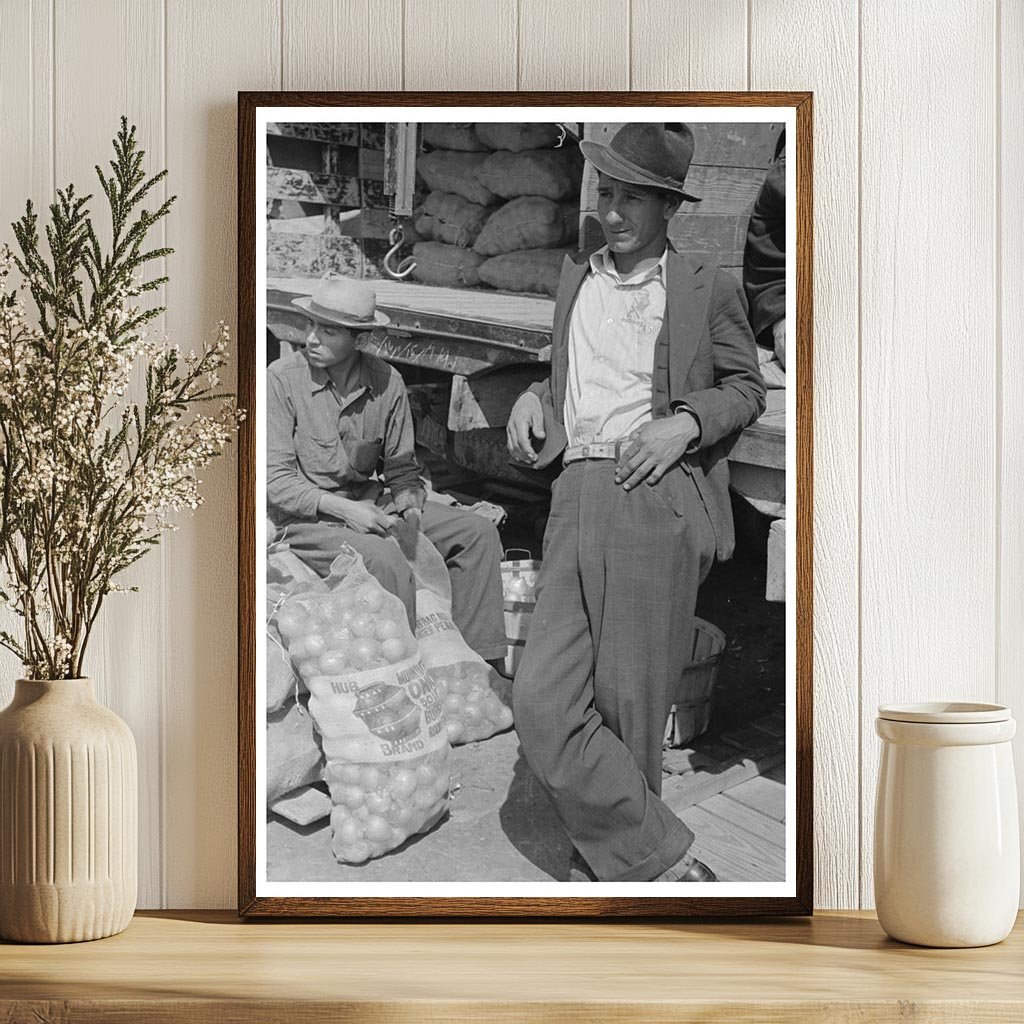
345 301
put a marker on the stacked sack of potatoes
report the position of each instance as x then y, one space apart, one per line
503 207
295 760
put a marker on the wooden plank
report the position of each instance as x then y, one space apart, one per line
486 401
682 791
341 45
312 187
574 44
697 45
1010 656
532 313
228 46
764 828
313 255
742 144
211 968
763 794
732 852
337 132
371 164
913 490
26 89
775 583
469 45
126 656
830 68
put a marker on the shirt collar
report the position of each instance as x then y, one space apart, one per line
320 379
601 262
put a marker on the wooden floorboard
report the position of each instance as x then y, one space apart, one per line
732 852
763 794
761 826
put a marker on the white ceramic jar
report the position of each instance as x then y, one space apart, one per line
947 846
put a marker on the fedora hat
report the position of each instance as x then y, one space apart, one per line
645 153
344 301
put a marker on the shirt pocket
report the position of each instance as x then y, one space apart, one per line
363 456
321 454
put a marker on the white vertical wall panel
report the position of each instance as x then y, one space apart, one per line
341 44
213 51
700 44
831 73
125 654
26 108
928 521
927 407
574 44
469 45
1010 264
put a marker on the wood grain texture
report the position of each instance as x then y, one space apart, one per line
832 73
26 118
344 44
574 44
125 654
928 521
207 967
469 45
1010 271
700 44
226 46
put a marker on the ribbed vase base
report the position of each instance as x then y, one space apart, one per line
63 913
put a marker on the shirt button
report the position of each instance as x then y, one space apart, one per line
611 320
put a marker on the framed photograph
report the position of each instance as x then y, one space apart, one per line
525 504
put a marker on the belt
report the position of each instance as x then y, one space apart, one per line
598 450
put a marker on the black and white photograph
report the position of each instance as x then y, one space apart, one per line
525 501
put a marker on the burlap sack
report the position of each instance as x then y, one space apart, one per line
529 222
380 717
474 708
462 137
517 137
552 173
535 270
452 219
446 170
448 265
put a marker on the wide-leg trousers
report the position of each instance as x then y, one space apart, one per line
610 633
470 546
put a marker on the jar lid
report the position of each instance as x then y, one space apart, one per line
945 713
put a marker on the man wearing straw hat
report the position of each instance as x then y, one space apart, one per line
341 468
653 374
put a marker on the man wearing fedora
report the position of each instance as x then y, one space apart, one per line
341 467
653 374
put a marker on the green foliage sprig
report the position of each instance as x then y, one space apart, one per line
89 478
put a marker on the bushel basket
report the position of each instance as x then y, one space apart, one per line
690 698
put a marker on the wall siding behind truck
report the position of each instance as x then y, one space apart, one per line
918 458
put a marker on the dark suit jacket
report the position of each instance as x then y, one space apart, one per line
704 359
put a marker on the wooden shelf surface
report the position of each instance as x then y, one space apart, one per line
207 966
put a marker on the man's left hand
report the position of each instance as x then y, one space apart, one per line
652 450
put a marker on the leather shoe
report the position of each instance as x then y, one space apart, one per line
689 869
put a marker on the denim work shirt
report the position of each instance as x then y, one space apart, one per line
320 441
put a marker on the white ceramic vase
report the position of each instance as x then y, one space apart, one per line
947 846
68 815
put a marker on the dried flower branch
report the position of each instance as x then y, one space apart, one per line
88 478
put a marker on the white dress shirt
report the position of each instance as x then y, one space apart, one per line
613 328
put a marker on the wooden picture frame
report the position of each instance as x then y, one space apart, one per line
260 897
